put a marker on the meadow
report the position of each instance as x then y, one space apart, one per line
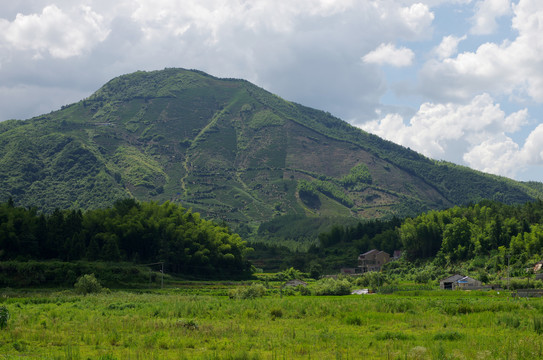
183 323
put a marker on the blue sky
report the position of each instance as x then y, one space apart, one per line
457 80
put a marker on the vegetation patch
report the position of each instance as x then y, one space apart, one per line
448 336
88 284
265 118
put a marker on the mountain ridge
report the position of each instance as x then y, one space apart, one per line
228 149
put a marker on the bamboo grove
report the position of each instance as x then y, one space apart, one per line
128 231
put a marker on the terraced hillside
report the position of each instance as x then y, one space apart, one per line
227 149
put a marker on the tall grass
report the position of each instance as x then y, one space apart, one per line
170 325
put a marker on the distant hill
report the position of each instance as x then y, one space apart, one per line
228 149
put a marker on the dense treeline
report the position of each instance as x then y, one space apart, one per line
365 236
488 229
335 248
477 238
487 234
128 231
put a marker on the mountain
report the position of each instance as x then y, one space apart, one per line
228 149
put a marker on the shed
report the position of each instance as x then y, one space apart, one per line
459 282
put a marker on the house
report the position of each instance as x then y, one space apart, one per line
459 282
372 260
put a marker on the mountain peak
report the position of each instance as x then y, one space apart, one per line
228 149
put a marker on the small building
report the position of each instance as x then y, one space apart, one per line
397 254
459 282
372 260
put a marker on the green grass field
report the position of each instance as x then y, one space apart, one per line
182 324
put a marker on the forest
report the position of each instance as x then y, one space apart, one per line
482 238
128 231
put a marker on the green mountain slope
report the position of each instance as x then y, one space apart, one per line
227 149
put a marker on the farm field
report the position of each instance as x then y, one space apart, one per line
173 324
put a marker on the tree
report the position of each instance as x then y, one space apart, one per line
88 284
457 244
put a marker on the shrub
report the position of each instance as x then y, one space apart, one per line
389 335
249 292
276 313
88 284
333 287
354 320
448 335
372 279
189 324
4 317
304 291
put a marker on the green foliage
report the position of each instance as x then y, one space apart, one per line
509 320
276 313
308 193
129 231
372 279
64 274
354 320
252 291
189 324
137 168
4 317
228 150
291 274
265 118
332 190
329 286
448 336
357 175
88 284
538 324
171 324
390 335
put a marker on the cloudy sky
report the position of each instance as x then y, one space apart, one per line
457 80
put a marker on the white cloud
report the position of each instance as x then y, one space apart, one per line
532 152
418 17
54 31
486 13
513 68
498 156
391 55
474 133
306 51
501 155
448 46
